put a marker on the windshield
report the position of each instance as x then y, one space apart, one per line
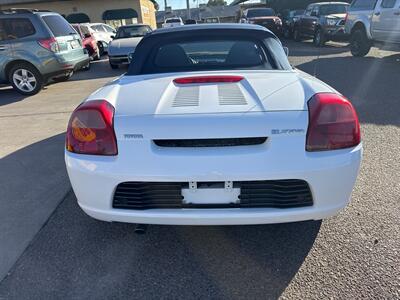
172 21
261 12
134 31
331 9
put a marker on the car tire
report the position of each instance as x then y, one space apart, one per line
26 79
296 35
86 67
63 78
319 38
114 67
359 43
100 47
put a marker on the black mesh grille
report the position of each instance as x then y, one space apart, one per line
211 142
270 193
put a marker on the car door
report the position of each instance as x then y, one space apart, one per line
386 21
6 52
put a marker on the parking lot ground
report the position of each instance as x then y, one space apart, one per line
355 255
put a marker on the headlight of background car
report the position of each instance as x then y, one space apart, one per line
331 22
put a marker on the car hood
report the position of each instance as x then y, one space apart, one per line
259 91
123 46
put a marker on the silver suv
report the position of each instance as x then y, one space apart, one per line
36 46
373 22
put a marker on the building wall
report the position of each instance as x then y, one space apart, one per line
94 9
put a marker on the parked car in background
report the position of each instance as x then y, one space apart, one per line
172 22
125 42
36 46
190 22
323 22
212 20
373 22
88 40
265 17
205 129
103 34
289 18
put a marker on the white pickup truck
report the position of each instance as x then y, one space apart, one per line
373 22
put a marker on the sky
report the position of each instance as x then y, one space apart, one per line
176 4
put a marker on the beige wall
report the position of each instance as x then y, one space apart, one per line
94 9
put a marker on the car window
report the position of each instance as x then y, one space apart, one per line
209 54
85 30
16 28
108 29
172 21
132 31
308 11
3 34
388 3
98 28
261 12
329 9
58 25
363 4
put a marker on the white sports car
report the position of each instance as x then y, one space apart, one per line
212 126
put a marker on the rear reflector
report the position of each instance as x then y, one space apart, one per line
208 79
333 123
91 129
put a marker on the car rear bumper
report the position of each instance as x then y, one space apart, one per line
119 60
331 176
55 67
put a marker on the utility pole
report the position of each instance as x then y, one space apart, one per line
188 9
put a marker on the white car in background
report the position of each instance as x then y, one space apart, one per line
103 34
172 22
212 126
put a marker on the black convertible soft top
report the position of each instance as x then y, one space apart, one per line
152 40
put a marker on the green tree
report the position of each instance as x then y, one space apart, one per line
216 3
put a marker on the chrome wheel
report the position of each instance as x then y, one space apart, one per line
24 80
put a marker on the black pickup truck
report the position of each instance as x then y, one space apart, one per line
323 22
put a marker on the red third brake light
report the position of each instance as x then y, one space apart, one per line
91 129
208 79
333 123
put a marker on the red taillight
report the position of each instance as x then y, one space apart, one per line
50 44
333 123
208 79
91 129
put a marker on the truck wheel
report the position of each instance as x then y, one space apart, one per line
296 35
359 43
25 79
319 38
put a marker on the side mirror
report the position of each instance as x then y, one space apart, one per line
130 56
314 14
286 49
113 36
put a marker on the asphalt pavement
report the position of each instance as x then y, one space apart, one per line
355 255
